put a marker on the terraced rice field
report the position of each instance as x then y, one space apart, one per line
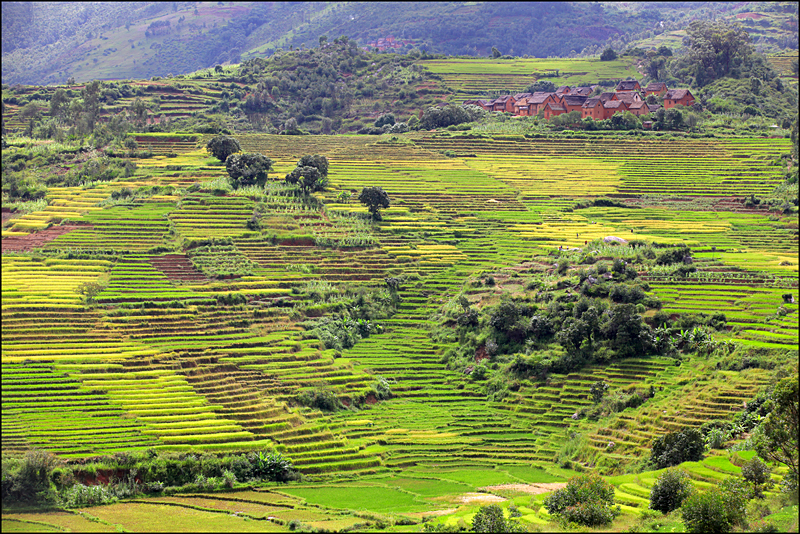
478 77
158 362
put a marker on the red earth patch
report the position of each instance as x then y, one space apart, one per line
177 267
37 239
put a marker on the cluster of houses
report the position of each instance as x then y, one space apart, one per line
628 96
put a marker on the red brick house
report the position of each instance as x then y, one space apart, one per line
521 107
638 107
655 88
563 90
551 109
538 100
610 107
572 102
503 103
629 97
593 108
628 85
674 97
604 97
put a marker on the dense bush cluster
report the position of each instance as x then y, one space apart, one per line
686 445
587 500
39 478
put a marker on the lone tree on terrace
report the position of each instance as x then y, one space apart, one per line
223 146
248 169
374 198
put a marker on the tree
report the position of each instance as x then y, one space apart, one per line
757 473
89 291
308 178
715 47
495 53
218 68
490 518
59 103
587 500
248 169
608 55
778 440
320 162
671 488
223 146
676 447
385 119
374 198
311 173
91 103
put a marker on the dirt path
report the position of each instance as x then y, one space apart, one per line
534 489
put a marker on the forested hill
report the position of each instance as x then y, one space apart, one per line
49 42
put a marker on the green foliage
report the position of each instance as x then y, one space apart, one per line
374 198
89 291
715 510
223 146
671 488
29 481
608 55
450 115
248 169
587 500
757 473
676 447
79 496
273 466
490 518
311 174
321 399
779 430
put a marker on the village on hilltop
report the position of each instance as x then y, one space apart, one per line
628 96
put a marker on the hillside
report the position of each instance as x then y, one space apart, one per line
317 291
46 43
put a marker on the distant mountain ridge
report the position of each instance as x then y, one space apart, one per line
49 42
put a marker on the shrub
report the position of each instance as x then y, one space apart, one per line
676 447
273 466
670 490
321 399
31 482
597 391
490 518
587 500
716 510
79 495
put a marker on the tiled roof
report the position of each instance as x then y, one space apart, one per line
627 85
573 100
676 94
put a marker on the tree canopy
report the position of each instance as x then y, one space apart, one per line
223 146
248 169
311 173
374 198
